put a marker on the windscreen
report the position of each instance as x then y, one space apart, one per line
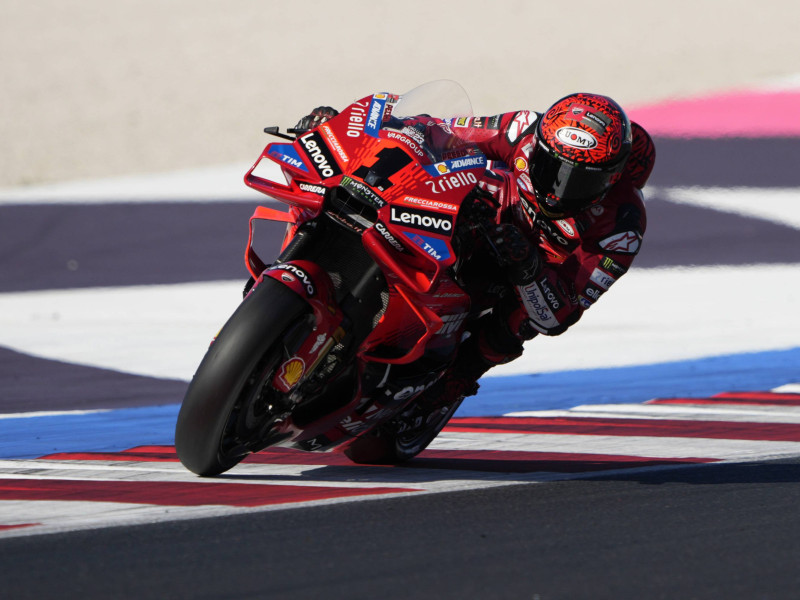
425 115
443 98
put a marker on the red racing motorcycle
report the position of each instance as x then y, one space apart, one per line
339 340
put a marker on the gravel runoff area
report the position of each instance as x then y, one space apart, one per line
93 89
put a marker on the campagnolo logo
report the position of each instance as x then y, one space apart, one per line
577 138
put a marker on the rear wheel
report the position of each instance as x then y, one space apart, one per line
402 438
231 407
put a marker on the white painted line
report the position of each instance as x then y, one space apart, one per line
779 205
160 331
46 467
653 316
655 447
650 316
789 388
52 413
679 412
224 183
62 516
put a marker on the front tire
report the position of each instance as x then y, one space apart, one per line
224 415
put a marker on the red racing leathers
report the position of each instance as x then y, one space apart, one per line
581 256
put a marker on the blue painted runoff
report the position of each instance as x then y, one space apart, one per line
756 371
121 429
112 431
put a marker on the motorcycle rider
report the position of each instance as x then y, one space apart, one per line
569 222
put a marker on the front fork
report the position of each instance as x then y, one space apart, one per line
312 284
346 322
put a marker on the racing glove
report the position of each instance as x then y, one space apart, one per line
317 117
515 254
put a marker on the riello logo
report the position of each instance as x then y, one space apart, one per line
577 138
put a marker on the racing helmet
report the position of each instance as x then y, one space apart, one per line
582 144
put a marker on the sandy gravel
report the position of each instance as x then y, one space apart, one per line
96 88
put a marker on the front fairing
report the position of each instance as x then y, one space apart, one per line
409 171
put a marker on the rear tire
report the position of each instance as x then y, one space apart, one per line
386 446
224 416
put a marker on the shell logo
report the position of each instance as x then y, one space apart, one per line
521 164
576 138
442 168
292 370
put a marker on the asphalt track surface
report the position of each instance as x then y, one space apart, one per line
693 531
726 531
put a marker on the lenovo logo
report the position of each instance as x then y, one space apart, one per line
419 219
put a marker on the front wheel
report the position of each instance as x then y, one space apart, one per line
230 406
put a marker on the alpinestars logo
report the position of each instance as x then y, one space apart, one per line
520 124
320 155
627 242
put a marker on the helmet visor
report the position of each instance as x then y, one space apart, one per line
574 186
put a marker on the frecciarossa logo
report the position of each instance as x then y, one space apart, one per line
321 157
421 219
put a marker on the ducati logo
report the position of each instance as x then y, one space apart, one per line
290 272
